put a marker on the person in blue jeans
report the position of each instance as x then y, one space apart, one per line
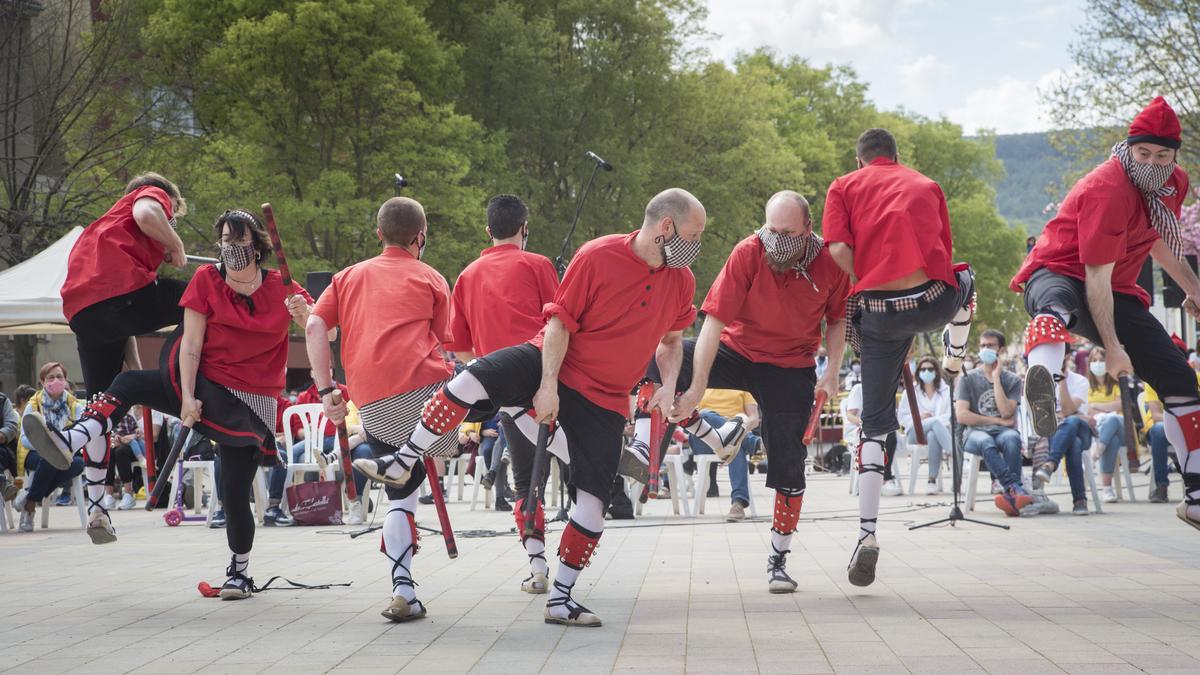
1159 445
60 408
986 403
739 473
1072 438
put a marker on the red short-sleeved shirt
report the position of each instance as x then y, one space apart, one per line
113 256
498 299
310 395
394 311
617 309
1104 219
896 221
244 349
775 317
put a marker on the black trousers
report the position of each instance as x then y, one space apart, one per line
1156 359
102 329
784 395
886 339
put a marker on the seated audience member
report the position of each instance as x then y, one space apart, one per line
1104 409
718 407
1073 437
10 433
986 405
123 438
933 404
1156 435
60 408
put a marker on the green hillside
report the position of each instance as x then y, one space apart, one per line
1032 169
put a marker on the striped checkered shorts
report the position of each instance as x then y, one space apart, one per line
393 419
263 407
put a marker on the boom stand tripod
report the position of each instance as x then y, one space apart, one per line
956 456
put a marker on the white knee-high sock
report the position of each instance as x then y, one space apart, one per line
399 546
85 432
1050 355
870 482
959 330
94 452
464 387
640 445
714 438
1189 458
589 514
536 550
241 563
558 440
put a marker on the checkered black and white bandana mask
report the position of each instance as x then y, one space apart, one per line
236 257
1149 179
782 247
679 252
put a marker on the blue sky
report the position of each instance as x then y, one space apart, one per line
980 64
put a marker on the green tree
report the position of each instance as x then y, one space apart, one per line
314 106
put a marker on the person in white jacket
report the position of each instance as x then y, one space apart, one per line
933 404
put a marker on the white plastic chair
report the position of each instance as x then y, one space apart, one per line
76 489
204 479
678 484
701 491
480 469
1123 475
850 436
312 420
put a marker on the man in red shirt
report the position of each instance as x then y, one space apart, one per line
497 303
395 314
887 226
1081 277
761 333
112 292
624 296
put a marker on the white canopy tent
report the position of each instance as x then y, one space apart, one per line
29 299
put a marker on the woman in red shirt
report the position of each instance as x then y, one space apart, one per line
222 369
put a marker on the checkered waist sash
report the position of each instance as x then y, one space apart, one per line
857 303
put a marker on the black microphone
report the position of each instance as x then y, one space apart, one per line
599 160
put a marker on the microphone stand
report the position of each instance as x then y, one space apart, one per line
559 263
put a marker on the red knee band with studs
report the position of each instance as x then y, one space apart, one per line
577 545
442 414
787 513
102 407
1189 424
539 520
1045 330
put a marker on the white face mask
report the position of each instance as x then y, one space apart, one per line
1098 368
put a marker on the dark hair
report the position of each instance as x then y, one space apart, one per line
240 221
505 216
992 333
875 143
24 393
937 370
400 219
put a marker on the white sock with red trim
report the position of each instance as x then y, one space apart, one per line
1189 460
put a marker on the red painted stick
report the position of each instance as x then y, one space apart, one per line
918 426
439 502
814 420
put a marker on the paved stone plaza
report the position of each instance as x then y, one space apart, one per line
1111 593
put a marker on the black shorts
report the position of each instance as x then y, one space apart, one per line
102 329
1156 360
512 376
784 395
416 477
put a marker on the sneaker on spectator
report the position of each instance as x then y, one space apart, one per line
107 501
931 488
355 516
712 490
1013 500
997 489
275 517
65 499
488 480
737 513
1159 494
1108 495
664 492
502 505
7 489
26 524
425 499
1080 508
141 494
18 502
892 489
127 502
218 519
1044 472
1044 504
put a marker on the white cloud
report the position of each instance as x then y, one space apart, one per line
836 31
1010 106
924 77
